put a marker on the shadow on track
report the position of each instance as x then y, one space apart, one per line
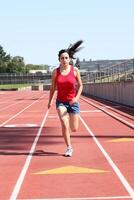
36 153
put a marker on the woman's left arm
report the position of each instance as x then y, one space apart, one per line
80 85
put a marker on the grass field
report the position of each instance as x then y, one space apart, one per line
10 86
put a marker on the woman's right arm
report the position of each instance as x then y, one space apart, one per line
52 88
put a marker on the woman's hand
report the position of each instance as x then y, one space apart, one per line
49 105
74 100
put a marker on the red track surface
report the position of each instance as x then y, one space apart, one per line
31 143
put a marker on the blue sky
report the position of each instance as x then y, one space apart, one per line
37 30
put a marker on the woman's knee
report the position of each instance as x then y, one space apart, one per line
74 129
65 123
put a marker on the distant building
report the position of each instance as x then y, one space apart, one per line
39 71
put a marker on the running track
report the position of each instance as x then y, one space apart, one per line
32 162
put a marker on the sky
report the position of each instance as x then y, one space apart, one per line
38 30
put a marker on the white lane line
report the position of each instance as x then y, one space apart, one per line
110 161
9 106
20 125
90 111
85 198
109 113
19 112
27 162
12 103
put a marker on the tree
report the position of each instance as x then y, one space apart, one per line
16 65
4 60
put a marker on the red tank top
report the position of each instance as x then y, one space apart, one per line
66 85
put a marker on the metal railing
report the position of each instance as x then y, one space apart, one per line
123 71
24 78
119 72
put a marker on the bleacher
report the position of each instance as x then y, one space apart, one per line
109 73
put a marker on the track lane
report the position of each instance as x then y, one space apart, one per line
15 144
127 120
18 109
110 133
51 148
49 154
10 99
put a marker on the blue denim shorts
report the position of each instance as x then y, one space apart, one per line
74 108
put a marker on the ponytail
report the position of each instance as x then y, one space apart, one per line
72 49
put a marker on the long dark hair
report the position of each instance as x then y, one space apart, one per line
72 49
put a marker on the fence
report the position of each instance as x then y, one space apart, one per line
118 72
24 78
123 71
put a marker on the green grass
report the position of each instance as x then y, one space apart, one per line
10 86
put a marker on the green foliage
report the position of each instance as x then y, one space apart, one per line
10 86
16 64
4 60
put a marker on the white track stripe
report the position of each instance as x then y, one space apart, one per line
90 111
13 103
113 165
109 113
85 198
8 106
19 112
27 162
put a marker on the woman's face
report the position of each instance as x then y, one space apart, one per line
64 59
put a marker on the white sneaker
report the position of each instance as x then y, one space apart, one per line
69 151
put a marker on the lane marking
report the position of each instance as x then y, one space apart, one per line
8 106
110 161
122 140
20 125
19 112
85 198
27 162
2 92
70 170
110 106
112 115
12 103
85 111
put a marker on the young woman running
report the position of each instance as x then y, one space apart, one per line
64 80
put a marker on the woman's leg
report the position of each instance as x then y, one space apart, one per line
64 118
74 121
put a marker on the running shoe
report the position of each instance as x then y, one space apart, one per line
69 152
